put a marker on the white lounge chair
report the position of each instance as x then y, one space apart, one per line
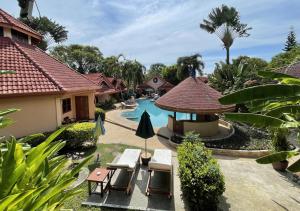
160 162
128 161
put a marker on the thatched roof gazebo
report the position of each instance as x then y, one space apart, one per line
197 98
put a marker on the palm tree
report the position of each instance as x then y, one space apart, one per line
133 73
225 22
185 63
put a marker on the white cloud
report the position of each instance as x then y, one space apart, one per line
160 31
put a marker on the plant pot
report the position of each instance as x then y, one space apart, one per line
145 158
281 165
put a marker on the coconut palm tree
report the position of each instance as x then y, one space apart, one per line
225 22
185 63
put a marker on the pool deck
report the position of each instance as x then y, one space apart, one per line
249 186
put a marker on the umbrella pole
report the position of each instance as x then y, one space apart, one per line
146 148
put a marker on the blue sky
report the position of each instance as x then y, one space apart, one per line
154 31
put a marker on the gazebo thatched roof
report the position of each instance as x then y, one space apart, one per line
193 96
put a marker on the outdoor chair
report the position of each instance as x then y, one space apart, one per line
160 162
128 162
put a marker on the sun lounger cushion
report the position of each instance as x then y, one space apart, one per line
128 159
161 160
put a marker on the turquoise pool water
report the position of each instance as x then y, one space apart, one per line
159 117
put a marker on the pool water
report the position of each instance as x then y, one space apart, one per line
159 117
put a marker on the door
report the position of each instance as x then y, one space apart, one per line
82 107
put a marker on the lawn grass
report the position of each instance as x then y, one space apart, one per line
107 153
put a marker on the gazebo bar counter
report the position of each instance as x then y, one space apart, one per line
195 97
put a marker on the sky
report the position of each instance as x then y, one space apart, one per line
160 31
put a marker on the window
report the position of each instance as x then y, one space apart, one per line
1 32
19 36
66 105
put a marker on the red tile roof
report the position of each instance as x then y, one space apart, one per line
165 85
103 83
292 70
36 72
193 96
117 83
8 20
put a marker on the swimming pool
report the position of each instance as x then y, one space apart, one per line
159 117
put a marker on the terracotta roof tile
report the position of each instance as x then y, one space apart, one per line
104 84
192 96
9 20
292 70
36 71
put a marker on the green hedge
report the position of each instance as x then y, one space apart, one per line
79 135
202 182
101 112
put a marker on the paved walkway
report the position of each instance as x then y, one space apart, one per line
249 186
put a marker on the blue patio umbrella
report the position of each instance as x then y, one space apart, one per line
99 128
145 129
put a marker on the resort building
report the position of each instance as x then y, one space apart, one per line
155 85
107 87
47 91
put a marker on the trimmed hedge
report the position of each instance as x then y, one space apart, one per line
101 112
79 135
202 182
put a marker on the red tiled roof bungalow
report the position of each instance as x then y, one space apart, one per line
200 100
47 91
105 88
157 84
118 84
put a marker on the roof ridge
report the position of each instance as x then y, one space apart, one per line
25 25
39 67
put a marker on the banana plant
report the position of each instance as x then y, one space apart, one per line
36 179
272 106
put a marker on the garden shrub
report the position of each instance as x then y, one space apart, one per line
202 182
79 135
101 112
192 137
36 139
108 104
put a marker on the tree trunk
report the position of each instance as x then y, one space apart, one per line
227 55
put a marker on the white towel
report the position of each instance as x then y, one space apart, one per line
162 159
129 159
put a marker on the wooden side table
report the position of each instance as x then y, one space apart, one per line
99 176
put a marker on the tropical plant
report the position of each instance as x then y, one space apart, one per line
112 66
225 22
273 106
285 59
36 179
291 41
189 63
155 70
51 31
84 59
169 73
240 74
133 73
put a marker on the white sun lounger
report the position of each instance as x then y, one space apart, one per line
161 162
129 160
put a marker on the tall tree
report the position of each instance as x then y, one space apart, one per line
26 8
84 59
133 73
291 41
155 70
225 22
170 74
285 58
112 66
185 63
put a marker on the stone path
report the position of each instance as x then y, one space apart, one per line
249 186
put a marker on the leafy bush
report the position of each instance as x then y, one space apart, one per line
101 112
108 104
202 182
36 139
192 137
79 135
